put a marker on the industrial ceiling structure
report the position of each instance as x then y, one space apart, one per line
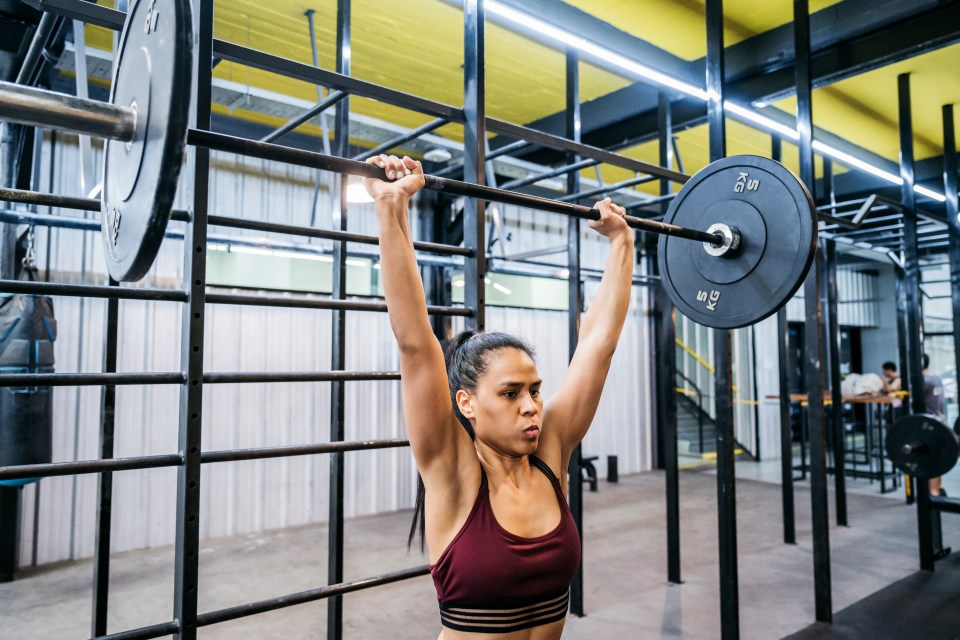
631 51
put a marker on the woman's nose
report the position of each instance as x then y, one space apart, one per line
529 404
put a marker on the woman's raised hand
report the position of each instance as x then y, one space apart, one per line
404 177
611 222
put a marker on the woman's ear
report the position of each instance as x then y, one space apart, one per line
466 404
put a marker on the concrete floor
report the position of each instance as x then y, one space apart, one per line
626 593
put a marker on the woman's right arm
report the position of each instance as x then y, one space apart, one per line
427 409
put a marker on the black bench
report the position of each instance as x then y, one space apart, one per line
588 472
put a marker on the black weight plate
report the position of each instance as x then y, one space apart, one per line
934 446
154 75
778 224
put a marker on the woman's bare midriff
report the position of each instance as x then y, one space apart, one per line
550 631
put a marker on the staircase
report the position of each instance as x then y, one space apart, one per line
692 422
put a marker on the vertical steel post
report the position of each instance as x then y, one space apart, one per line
667 369
474 158
833 342
813 335
9 528
786 408
911 267
723 358
338 346
191 339
108 397
953 224
574 307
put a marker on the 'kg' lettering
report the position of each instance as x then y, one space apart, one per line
744 181
710 299
150 23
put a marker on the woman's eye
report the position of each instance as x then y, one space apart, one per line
510 394
535 393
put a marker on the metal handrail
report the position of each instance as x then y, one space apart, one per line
700 411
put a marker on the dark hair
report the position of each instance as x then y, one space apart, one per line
926 361
889 365
466 356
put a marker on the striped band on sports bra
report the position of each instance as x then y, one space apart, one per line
495 620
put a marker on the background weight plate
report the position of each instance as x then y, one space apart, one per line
778 223
154 74
940 451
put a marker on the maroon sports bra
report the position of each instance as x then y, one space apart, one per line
489 580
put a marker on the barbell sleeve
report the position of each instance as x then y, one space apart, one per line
52 110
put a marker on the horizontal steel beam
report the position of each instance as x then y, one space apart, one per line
298 376
87 379
81 467
144 633
300 450
272 604
309 302
328 234
92 291
39 199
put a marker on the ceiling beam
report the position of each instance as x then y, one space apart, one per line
864 35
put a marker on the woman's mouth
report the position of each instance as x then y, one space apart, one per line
531 431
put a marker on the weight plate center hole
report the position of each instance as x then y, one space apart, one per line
730 240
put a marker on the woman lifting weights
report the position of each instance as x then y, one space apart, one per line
502 543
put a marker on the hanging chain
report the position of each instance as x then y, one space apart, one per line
30 257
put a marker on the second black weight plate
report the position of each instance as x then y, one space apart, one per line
933 446
778 223
153 74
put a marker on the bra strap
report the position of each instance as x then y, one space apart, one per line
540 464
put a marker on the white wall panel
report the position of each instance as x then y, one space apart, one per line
244 497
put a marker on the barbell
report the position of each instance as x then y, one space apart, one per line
760 222
922 446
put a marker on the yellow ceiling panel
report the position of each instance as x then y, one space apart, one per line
419 50
678 26
863 109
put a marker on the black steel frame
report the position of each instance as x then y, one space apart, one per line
813 334
195 296
722 356
666 370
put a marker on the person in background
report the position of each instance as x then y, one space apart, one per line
891 379
935 405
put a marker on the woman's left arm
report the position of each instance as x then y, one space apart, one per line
571 410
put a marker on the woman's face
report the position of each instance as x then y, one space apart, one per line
506 408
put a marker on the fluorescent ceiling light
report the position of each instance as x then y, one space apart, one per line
570 40
502 289
257 251
357 194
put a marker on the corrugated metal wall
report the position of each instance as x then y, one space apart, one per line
858 295
57 520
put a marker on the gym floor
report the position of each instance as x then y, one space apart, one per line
626 593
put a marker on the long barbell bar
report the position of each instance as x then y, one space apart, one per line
42 108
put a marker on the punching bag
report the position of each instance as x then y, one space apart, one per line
27 332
